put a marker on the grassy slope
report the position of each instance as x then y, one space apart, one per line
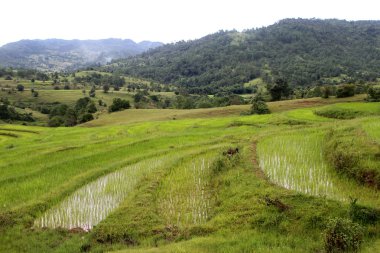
56 162
134 116
68 97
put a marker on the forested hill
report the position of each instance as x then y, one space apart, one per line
59 55
303 51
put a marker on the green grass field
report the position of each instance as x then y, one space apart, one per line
161 181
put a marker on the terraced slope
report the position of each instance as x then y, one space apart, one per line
217 184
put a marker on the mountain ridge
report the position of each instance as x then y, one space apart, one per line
64 55
303 51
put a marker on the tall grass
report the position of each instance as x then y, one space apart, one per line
372 128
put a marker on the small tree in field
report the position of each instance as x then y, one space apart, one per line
259 106
119 104
373 94
20 87
279 90
92 92
325 92
106 88
347 90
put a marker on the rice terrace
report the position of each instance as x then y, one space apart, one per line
260 140
166 184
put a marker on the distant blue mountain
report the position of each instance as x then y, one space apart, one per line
60 55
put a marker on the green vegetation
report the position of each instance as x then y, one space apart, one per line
345 91
374 94
9 113
63 115
348 110
343 235
280 151
259 106
351 152
119 105
208 181
305 52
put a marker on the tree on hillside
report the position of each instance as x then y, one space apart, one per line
70 117
92 92
347 90
9 113
373 94
42 76
119 104
279 90
325 92
106 88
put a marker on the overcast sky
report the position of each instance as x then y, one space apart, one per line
161 20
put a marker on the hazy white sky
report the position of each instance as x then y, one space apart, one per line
161 20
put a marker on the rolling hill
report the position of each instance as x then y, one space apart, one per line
303 51
60 55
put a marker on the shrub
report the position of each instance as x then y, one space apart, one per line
325 92
225 162
20 87
342 235
55 121
92 92
9 113
70 118
362 214
106 88
91 108
81 104
44 109
58 110
374 94
86 117
259 106
119 104
347 90
337 113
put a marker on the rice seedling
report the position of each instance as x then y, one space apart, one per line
184 196
296 161
93 202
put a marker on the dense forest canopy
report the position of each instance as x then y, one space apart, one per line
303 51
